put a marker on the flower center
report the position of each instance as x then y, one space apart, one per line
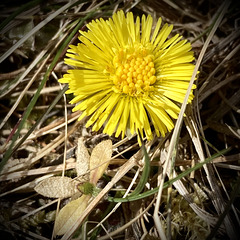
134 72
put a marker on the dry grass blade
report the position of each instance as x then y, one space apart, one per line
16 175
180 118
51 45
128 224
226 59
36 29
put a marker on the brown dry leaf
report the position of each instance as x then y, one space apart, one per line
83 157
100 154
69 214
57 187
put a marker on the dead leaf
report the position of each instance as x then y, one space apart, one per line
100 154
57 187
82 156
69 214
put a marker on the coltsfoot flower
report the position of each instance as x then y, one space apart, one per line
128 76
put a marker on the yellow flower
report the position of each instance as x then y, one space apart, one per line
128 76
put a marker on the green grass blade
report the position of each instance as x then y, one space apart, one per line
145 174
170 182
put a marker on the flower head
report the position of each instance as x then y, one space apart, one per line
128 76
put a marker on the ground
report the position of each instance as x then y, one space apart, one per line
39 131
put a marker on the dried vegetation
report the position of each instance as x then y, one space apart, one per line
39 134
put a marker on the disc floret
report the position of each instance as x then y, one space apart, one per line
134 72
